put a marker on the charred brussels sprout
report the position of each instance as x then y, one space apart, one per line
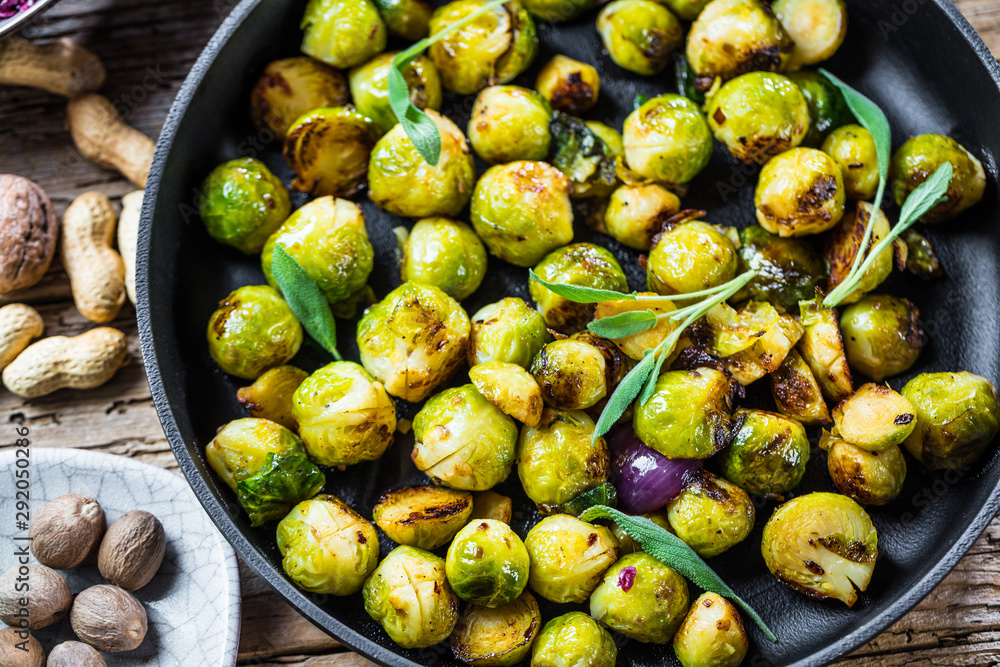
328 150
406 19
507 331
568 557
487 564
853 149
874 418
291 87
639 35
822 348
759 115
767 453
711 515
572 374
270 396
765 354
425 517
560 459
788 270
688 415
797 392
242 203
800 192
574 639
958 415
329 240
641 598
712 634
510 123
827 107
401 182
444 253
871 478
822 545
817 27
882 335
522 211
668 140
463 441
327 547
413 340
370 87
687 10
921 260
496 637
410 597
843 244
343 33
635 346
252 331
917 159
583 264
569 85
635 213
510 388
494 48
587 152
689 256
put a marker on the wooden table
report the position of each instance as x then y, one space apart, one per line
148 48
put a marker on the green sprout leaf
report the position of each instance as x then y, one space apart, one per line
624 324
580 293
673 552
305 299
282 482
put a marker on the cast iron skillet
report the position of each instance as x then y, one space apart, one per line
928 70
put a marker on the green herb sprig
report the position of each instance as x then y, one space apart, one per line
305 299
673 552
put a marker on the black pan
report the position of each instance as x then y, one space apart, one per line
919 60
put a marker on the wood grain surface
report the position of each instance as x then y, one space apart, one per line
148 47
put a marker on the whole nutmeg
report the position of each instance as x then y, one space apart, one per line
67 531
42 588
108 618
75 654
28 232
12 653
132 550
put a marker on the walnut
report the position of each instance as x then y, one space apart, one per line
28 232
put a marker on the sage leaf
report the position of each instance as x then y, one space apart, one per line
624 324
624 395
305 299
580 293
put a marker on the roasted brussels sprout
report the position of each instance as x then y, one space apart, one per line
641 598
574 639
242 203
583 264
958 415
588 153
874 418
688 415
822 545
853 148
252 331
510 123
687 10
733 37
636 213
270 396
635 346
817 27
639 35
730 331
822 348
843 244
827 107
507 331
444 253
497 637
603 494
572 374
921 260
370 87
767 453
343 33
491 505
689 256
290 87
555 11
568 85
871 478
759 115
712 634
882 335
560 459
413 340
406 19
464 441
410 597
800 192
493 48
510 388
797 392
401 182
487 564
522 211
918 158
328 150
345 416
788 270
426 517
327 547
329 240
668 140
711 514
568 557
765 354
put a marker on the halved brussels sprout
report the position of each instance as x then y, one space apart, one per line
242 203
712 634
711 514
510 388
827 107
843 244
918 158
822 348
921 260
401 182
758 115
410 597
370 87
413 340
853 148
343 33
800 192
767 453
329 240
406 19
568 557
327 547
425 517
588 153
822 545
817 27
270 396
522 211
444 253
493 48
639 35
487 564
583 264
560 459
688 415
882 335
636 345
508 331
641 598
958 415
510 123
636 213
797 392
291 87
572 374
667 140
252 331
569 85
328 150
731 331
788 270
574 639
464 441
491 505
499 637
689 256
871 478
627 544
766 354
874 418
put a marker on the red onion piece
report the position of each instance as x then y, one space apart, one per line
645 479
